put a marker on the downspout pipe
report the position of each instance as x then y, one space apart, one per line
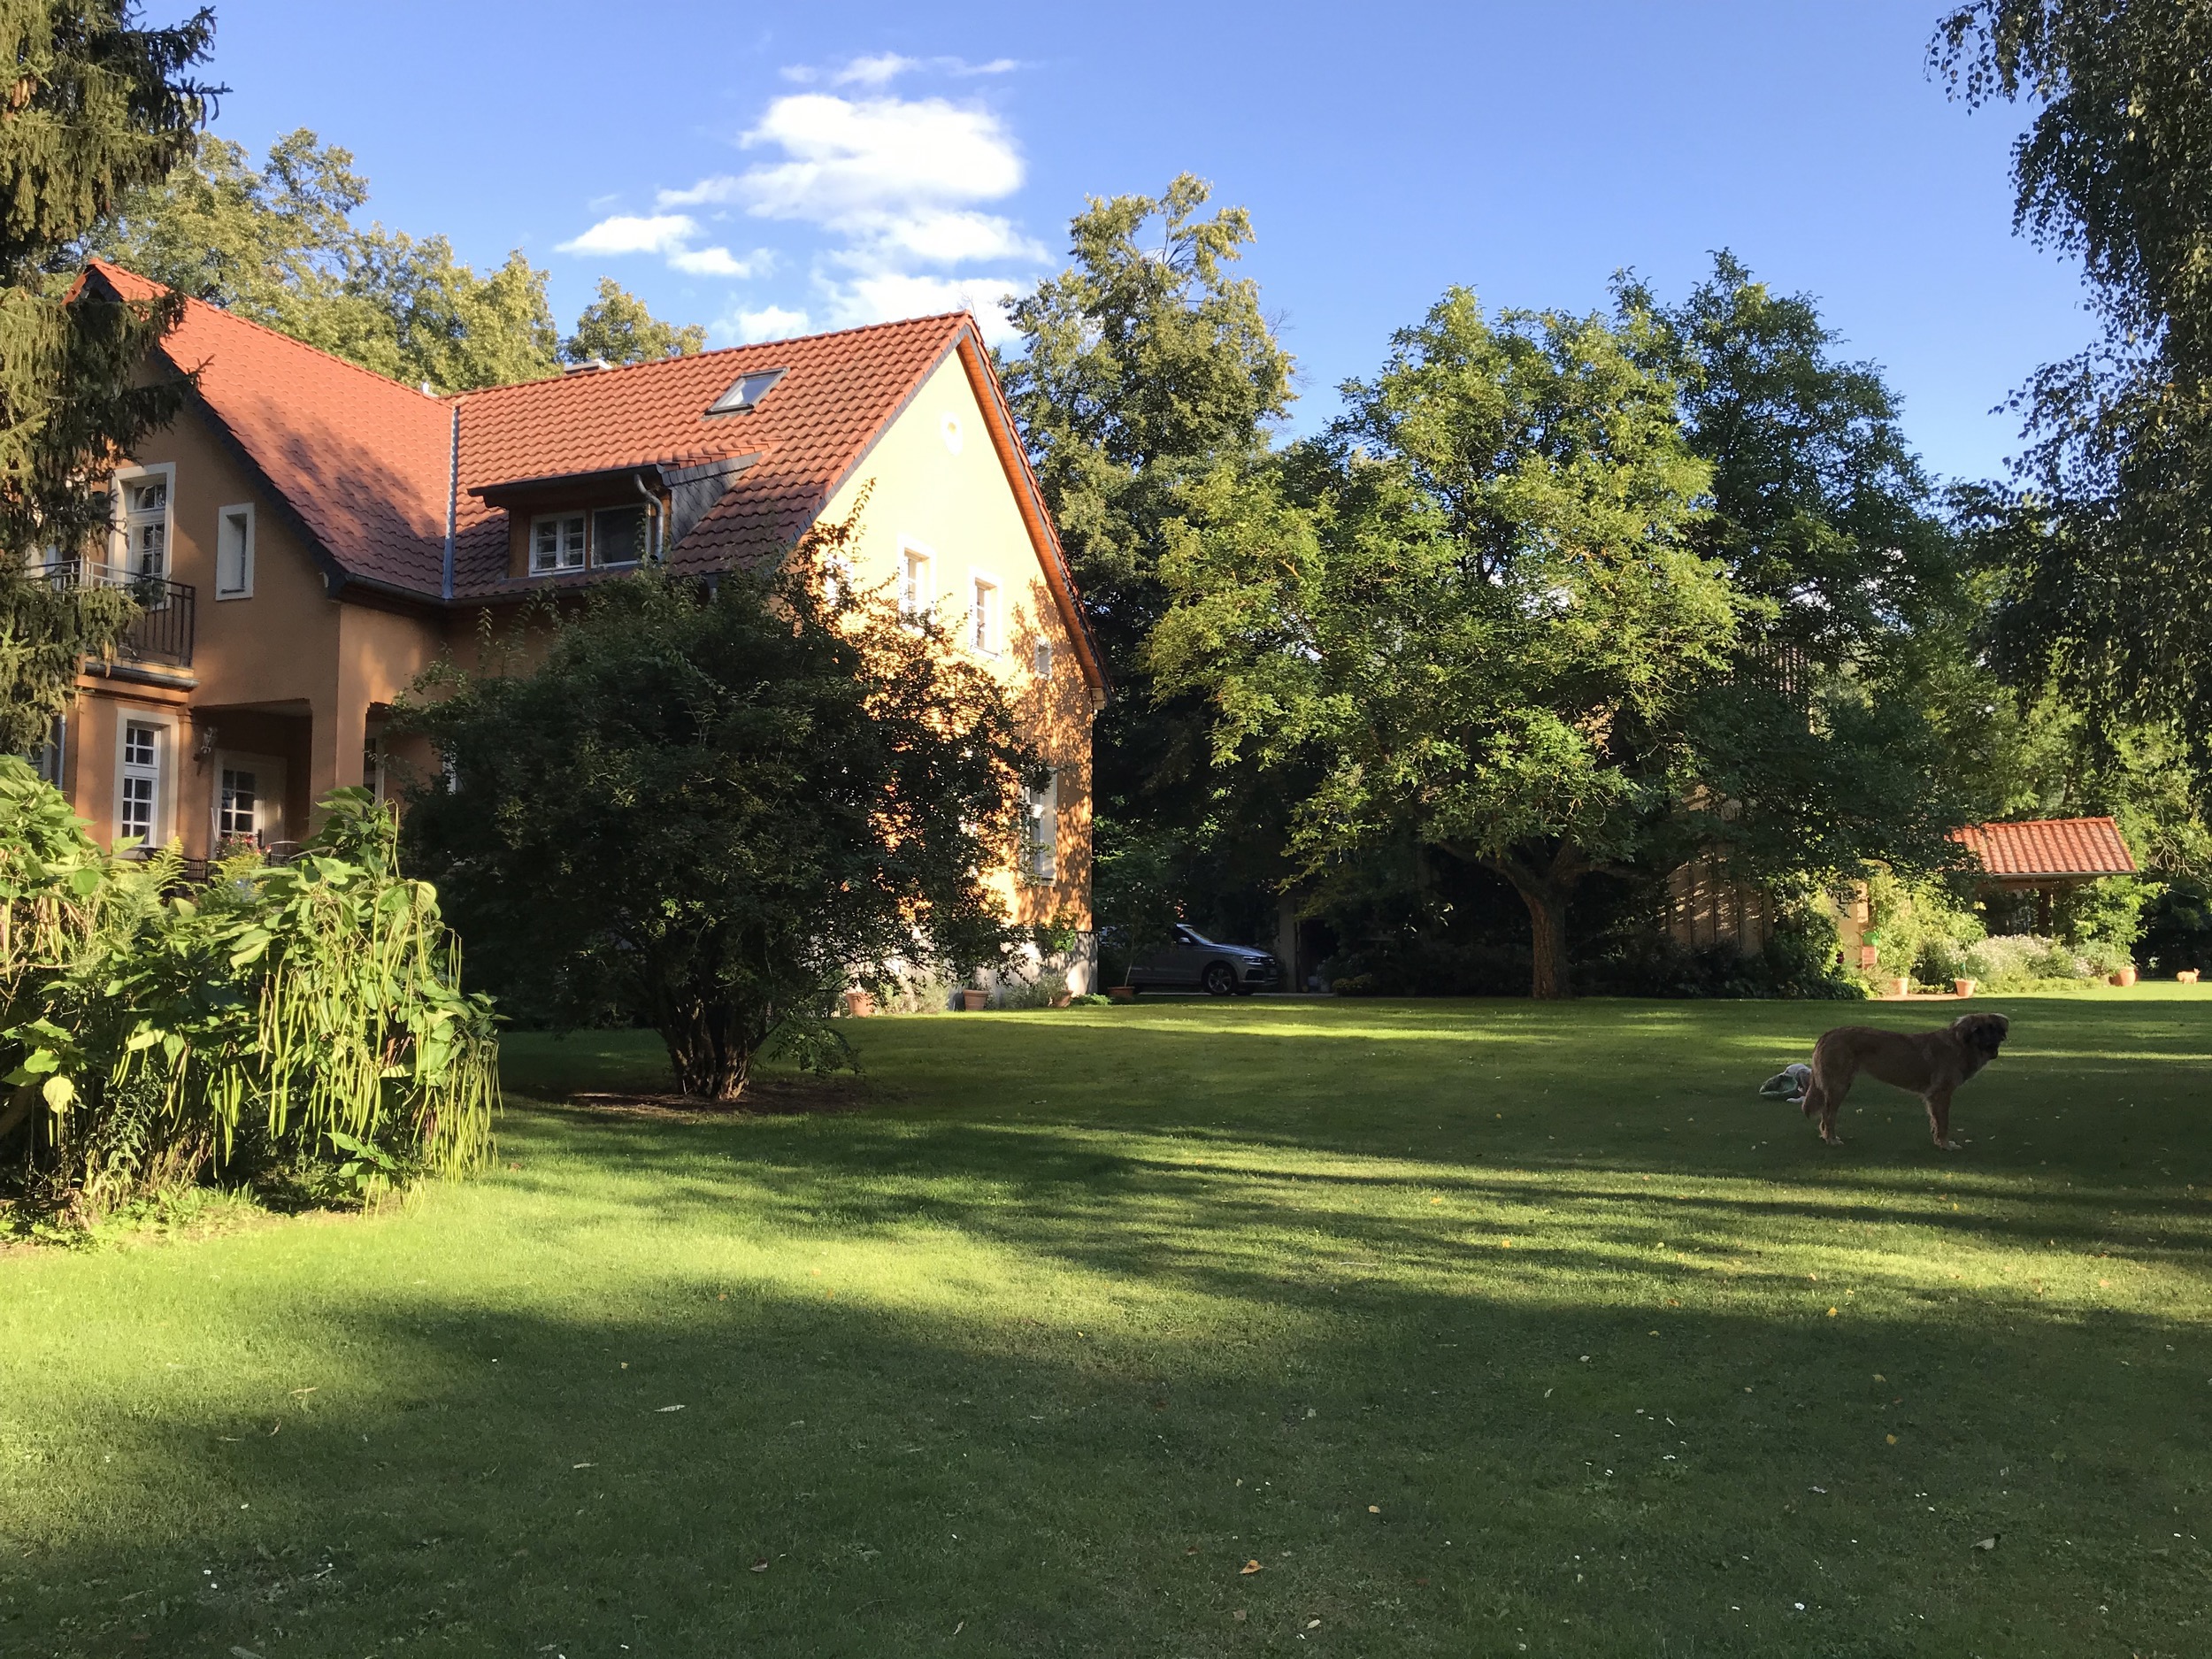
452 501
654 549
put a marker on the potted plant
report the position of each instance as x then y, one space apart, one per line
1122 993
2125 976
973 1001
1964 988
1898 986
859 1004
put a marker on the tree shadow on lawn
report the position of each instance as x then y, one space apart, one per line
503 1478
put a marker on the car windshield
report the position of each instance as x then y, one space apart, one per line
1191 936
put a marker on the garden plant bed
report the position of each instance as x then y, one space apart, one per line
1476 1327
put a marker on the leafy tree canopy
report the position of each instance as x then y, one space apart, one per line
2111 556
99 106
1492 611
617 327
713 807
278 244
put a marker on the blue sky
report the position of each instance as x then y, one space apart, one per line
771 169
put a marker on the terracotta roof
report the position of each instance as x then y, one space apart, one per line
2049 847
841 392
376 472
362 462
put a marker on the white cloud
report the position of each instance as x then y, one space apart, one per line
899 190
867 158
877 70
627 232
670 237
889 295
772 322
718 262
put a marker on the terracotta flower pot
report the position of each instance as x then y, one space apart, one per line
2188 976
1964 988
1062 1000
1122 993
1899 987
974 1001
859 1004
2126 976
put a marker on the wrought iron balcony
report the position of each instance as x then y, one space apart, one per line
163 631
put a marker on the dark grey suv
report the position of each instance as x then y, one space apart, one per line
1195 962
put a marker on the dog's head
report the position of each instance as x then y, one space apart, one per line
1984 1033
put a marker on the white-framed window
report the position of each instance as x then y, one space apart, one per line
983 614
1041 831
619 536
141 776
233 552
372 764
917 590
143 496
238 806
837 578
1040 660
556 543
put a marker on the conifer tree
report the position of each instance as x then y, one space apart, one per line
98 105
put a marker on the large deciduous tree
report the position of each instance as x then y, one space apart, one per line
1148 366
278 244
2111 555
712 806
1490 619
97 106
618 328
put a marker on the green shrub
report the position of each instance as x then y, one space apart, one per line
278 1019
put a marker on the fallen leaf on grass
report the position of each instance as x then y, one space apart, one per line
1193 1550
1892 1438
1312 1623
1421 1581
761 1565
1374 1508
1238 1615
1831 1313
1249 1568
663 1409
1985 1543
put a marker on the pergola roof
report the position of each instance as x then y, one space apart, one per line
2051 849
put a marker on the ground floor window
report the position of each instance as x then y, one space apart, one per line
1042 831
139 810
238 809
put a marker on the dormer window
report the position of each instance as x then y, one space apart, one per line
556 543
617 535
746 392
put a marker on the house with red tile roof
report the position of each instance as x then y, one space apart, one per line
308 537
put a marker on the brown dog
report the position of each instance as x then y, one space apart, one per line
1930 1063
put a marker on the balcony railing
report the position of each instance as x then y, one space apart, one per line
163 632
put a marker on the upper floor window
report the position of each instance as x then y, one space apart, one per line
233 553
556 543
918 597
617 535
145 522
983 622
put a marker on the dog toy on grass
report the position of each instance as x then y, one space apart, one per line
1788 1085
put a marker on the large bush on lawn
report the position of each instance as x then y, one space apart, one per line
276 1018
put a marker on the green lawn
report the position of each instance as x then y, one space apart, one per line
1482 1328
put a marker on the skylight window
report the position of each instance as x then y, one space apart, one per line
746 392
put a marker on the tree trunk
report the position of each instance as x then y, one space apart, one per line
1545 893
708 1051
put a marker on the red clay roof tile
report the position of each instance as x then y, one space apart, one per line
2049 847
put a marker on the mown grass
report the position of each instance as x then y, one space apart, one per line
1482 1328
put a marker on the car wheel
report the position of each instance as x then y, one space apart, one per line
1220 979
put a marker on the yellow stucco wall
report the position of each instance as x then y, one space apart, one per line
934 483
